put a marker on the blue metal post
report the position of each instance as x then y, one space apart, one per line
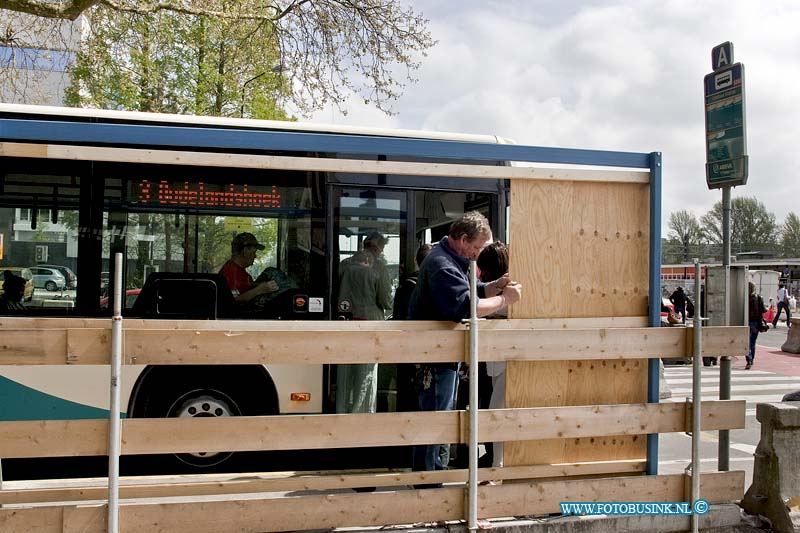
653 366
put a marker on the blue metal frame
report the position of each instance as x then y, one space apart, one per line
21 130
653 366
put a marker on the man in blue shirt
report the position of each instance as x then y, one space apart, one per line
442 293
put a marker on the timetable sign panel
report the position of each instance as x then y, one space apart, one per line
726 141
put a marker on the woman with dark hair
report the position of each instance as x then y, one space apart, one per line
493 264
493 261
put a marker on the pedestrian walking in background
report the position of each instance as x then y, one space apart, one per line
755 320
783 303
678 299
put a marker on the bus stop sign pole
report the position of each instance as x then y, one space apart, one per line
726 167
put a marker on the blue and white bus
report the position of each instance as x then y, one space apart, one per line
169 192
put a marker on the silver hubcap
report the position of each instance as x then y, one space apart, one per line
204 406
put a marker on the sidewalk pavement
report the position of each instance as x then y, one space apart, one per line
769 356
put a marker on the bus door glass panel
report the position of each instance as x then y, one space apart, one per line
436 211
370 234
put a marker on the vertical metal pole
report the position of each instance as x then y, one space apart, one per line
654 319
114 422
724 446
697 401
473 397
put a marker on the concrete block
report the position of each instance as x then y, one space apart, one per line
775 492
792 344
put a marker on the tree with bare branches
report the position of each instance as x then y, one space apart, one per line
324 50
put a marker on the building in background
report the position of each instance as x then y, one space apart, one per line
36 56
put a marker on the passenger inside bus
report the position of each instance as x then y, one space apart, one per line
13 289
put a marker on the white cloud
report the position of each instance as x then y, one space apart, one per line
621 76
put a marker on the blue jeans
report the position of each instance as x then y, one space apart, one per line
754 325
437 392
782 305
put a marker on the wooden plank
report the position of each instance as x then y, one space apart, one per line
53 438
588 256
315 164
381 345
23 347
40 520
518 499
43 323
383 508
216 484
59 438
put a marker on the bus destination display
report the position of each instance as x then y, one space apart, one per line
206 195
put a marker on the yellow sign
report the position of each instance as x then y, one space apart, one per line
238 224
1 246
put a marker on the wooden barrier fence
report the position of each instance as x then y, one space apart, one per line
537 489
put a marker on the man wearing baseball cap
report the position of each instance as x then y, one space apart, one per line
243 253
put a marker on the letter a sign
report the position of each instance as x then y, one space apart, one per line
722 55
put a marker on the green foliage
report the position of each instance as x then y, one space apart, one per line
176 63
753 228
790 236
685 235
146 55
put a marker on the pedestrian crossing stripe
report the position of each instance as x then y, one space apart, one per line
715 371
738 388
753 386
740 379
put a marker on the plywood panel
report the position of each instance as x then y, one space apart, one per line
580 250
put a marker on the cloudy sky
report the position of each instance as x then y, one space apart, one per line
611 75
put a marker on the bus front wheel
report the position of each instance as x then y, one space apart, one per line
201 391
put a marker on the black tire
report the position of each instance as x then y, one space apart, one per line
51 286
164 392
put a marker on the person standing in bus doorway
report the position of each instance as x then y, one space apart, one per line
678 299
359 292
442 293
13 291
783 303
755 320
244 248
374 243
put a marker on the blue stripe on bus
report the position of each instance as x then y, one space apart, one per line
18 402
220 138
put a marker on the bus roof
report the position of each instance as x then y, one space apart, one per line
25 123
138 117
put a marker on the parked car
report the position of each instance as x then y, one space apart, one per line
24 273
70 277
48 278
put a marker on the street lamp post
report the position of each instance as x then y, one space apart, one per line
244 87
